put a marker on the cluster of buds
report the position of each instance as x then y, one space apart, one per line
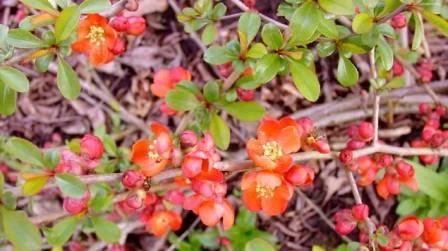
134 26
359 135
164 81
424 69
411 233
397 68
207 183
270 188
432 135
89 157
347 219
396 174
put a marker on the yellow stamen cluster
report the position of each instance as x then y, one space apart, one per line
264 191
96 35
152 153
272 150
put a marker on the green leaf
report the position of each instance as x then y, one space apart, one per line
326 48
24 150
249 24
386 54
220 132
21 38
66 23
272 36
8 99
40 5
407 207
418 32
245 111
430 182
304 22
305 80
3 37
259 244
389 6
62 231
434 6
67 79
396 82
440 23
63 3
105 229
34 185
209 33
218 55
70 185
258 50
219 10
18 229
267 68
362 23
211 91
327 27
52 158
14 79
346 74
338 7
94 6
182 100
246 218
42 63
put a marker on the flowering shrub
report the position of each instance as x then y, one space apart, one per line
168 172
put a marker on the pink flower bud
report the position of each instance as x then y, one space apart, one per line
119 46
137 25
245 95
346 156
76 205
399 21
306 123
91 147
191 166
175 196
132 179
360 212
366 131
120 23
300 175
409 228
188 138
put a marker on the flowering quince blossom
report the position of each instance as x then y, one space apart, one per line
96 38
276 139
347 219
311 139
153 155
265 191
161 222
167 79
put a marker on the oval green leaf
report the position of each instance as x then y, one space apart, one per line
209 33
18 229
440 23
182 100
245 111
249 24
267 68
60 233
34 185
304 22
218 55
220 132
21 38
362 23
66 23
24 150
8 98
14 79
70 185
67 79
94 6
106 230
338 7
305 80
259 244
272 36
346 74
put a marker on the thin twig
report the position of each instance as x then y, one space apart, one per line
184 234
319 211
243 7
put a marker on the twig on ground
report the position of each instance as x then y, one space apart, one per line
319 211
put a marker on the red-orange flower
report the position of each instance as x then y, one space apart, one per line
266 191
162 222
153 155
166 80
96 38
275 140
211 211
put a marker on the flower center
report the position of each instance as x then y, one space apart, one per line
272 150
96 35
264 191
152 153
